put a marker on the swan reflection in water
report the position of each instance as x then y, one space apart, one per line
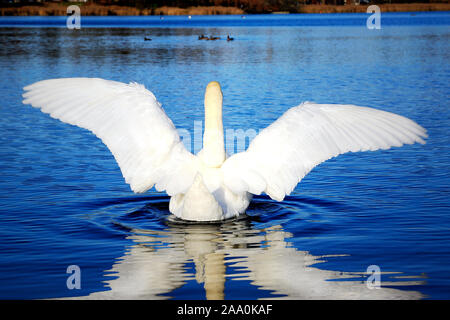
161 261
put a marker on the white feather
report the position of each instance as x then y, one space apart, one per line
131 123
147 147
307 135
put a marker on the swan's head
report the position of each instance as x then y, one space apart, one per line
213 105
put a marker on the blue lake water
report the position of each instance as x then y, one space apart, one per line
63 200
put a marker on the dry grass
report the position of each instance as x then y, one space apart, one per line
171 11
53 9
395 7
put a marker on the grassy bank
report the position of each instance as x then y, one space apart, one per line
53 9
394 7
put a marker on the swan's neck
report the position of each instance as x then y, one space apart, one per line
213 140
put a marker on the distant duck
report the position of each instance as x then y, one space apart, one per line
147 39
202 37
229 38
213 38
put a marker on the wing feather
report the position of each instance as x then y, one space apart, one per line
130 122
281 155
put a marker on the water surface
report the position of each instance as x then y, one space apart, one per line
63 200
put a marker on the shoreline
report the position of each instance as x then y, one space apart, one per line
53 9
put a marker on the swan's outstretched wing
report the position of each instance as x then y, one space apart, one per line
284 152
130 122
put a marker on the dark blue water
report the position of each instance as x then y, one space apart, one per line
257 20
63 200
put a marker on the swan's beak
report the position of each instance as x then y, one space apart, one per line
213 89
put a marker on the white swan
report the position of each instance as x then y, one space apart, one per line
209 186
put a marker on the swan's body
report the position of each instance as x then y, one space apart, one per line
209 186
